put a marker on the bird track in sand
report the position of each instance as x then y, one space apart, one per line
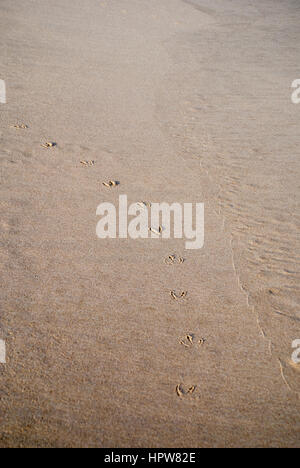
87 163
111 183
21 126
183 391
173 259
189 340
48 144
177 297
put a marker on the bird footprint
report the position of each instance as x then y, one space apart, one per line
190 340
179 296
184 391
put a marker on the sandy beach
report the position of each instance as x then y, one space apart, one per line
179 101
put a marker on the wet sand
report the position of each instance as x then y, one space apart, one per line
180 101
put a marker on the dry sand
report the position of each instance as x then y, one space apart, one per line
179 101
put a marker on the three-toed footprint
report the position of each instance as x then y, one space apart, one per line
173 259
177 296
185 390
190 340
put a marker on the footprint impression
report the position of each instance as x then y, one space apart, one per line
173 260
184 391
178 296
190 340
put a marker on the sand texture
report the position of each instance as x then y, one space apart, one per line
164 101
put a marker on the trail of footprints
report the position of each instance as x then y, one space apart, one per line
189 340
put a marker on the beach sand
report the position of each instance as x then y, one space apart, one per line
179 101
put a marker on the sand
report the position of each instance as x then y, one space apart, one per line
178 101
